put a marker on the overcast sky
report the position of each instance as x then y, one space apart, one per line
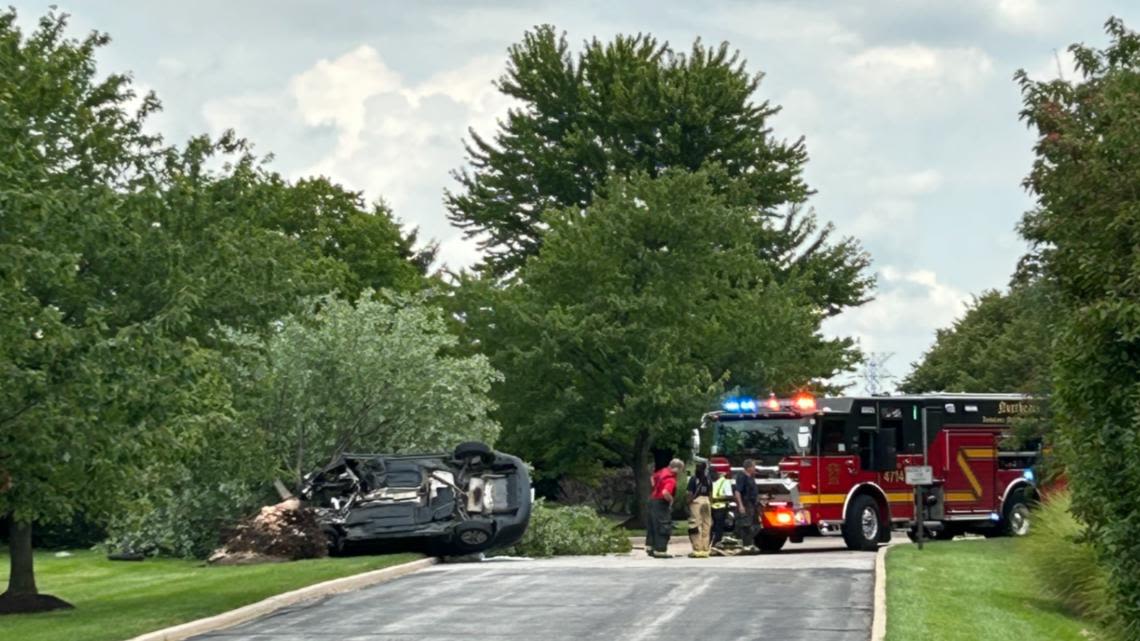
907 106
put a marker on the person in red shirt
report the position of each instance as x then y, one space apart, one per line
660 524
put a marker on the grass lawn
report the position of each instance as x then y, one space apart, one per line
971 591
119 600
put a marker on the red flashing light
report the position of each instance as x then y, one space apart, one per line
773 402
784 518
805 402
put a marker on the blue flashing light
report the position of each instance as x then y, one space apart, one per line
1028 475
744 404
995 517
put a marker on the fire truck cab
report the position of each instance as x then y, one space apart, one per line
836 466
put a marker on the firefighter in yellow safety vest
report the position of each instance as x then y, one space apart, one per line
720 500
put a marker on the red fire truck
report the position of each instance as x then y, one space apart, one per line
836 466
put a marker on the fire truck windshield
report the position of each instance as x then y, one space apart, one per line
767 440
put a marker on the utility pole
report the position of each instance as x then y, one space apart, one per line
875 374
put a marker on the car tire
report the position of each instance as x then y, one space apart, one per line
472 536
771 542
474 449
862 525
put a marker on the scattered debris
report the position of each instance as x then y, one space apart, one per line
282 532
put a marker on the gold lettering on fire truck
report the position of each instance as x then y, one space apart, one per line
1007 410
894 476
833 473
1017 408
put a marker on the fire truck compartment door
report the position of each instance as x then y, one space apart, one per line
970 471
877 450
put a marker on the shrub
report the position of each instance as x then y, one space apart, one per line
1065 563
568 530
187 522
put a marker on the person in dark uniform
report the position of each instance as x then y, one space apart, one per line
747 496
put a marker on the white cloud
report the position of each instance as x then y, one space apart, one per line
786 23
908 308
801 114
891 216
334 92
1024 16
172 66
390 138
914 183
905 77
241 113
459 253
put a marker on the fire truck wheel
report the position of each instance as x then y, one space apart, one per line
862 525
771 542
1015 516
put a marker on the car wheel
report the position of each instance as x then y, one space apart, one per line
862 525
474 449
472 536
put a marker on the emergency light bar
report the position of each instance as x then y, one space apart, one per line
747 405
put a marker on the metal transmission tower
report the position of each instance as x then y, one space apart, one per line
875 374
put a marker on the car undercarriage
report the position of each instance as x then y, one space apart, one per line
470 501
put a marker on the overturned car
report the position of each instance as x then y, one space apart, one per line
470 501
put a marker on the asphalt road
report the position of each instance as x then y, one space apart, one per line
815 591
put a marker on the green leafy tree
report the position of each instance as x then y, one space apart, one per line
119 259
626 325
636 105
377 375
1001 344
254 245
95 380
251 246
1085 230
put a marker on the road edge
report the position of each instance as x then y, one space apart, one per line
285 599
879 613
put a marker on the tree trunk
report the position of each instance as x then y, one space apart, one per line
22 580
22 595
641 476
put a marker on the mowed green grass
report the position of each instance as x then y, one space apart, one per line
120 600
971 590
